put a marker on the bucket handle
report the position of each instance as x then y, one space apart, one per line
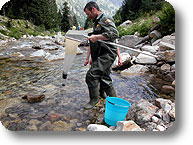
116 104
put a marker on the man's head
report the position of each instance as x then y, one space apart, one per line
92 10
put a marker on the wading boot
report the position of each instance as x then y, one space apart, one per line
102 93
93 93
111 92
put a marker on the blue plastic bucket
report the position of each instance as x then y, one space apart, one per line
115 110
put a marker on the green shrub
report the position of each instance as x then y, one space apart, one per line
144 28
3 32
141 27
15 33
167 19
8 24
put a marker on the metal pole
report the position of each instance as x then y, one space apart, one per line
125 47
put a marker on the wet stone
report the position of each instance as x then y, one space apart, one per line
54 117
33 98
12 126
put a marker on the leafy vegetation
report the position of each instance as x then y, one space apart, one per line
17 28
167 19
42 13
143 17
133 9
141 25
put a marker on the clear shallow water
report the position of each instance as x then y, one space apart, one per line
21 76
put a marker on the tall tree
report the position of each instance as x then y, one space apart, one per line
130 9
65 23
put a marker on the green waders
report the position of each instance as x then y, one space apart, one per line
103 56
93 93
99 72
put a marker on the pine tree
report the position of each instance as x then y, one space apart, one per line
65 23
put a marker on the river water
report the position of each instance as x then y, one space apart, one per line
62 108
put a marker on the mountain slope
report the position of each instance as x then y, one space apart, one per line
109 7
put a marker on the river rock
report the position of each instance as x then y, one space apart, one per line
17 54
32 128
129 40
145 59
165 68
166 46
173 84
169 39
141 112
32 98
167 89
168 55
127 126
126 23
172 112
54 116
37 46
173 67
125 57
151 49
59 39
97 127
135 69
155 119
39 53
34 122
168 77
160 128
45 126
160 102
155 43
149 126
56 56
79 51
61 126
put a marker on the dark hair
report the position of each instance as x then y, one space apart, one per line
90 5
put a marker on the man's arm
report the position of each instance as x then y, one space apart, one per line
95 38
87 57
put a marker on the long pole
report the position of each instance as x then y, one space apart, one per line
125 47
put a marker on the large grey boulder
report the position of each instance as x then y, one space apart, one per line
129 40
151 49
145 59
135 69
39 53
168 55
163 46
125 57
141 112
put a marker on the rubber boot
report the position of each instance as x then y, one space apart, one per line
111 92
93 94
102 93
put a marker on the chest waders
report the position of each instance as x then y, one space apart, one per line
103 56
